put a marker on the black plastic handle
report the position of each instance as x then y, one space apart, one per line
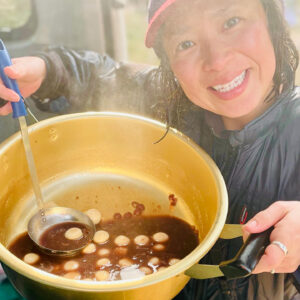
248 256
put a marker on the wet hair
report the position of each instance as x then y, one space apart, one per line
286 54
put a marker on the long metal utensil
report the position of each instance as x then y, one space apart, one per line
45 217
19 112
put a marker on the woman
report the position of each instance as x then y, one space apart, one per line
226 79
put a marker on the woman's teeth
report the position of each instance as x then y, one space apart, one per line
222 88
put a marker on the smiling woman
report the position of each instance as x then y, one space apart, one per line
228 51
226 79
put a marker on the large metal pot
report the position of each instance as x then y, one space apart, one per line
106 161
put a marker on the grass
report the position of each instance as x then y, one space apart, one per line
136 22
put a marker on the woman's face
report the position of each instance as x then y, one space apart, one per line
222 55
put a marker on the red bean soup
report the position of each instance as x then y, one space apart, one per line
125 247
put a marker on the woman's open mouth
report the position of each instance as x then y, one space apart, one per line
233 88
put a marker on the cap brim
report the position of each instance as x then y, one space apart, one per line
156 22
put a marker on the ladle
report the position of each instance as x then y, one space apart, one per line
45 218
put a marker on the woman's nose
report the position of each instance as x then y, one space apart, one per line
215 56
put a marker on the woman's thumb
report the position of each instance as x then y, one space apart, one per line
13 71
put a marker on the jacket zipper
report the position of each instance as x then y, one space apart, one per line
234 154
229 163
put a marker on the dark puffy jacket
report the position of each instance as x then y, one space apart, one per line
260 163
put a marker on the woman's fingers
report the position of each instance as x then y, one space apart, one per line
8 94
29 72
283 252
27 68
13 71
272 259
266 218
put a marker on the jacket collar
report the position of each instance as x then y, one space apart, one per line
256 129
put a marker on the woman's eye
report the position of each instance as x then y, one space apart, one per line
231 22
184 46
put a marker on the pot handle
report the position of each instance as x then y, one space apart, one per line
248 256
241 265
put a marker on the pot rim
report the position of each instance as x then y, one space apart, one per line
80 285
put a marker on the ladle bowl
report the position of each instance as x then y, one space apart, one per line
48 217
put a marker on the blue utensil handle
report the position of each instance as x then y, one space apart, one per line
19 109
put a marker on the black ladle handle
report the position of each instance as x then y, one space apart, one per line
248 256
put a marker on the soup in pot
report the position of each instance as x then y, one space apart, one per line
125 247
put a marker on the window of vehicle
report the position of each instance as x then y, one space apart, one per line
17 19
14 14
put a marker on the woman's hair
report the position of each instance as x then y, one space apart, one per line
286 54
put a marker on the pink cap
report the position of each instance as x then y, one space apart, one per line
157 14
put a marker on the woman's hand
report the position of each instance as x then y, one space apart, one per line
285 216
29 72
